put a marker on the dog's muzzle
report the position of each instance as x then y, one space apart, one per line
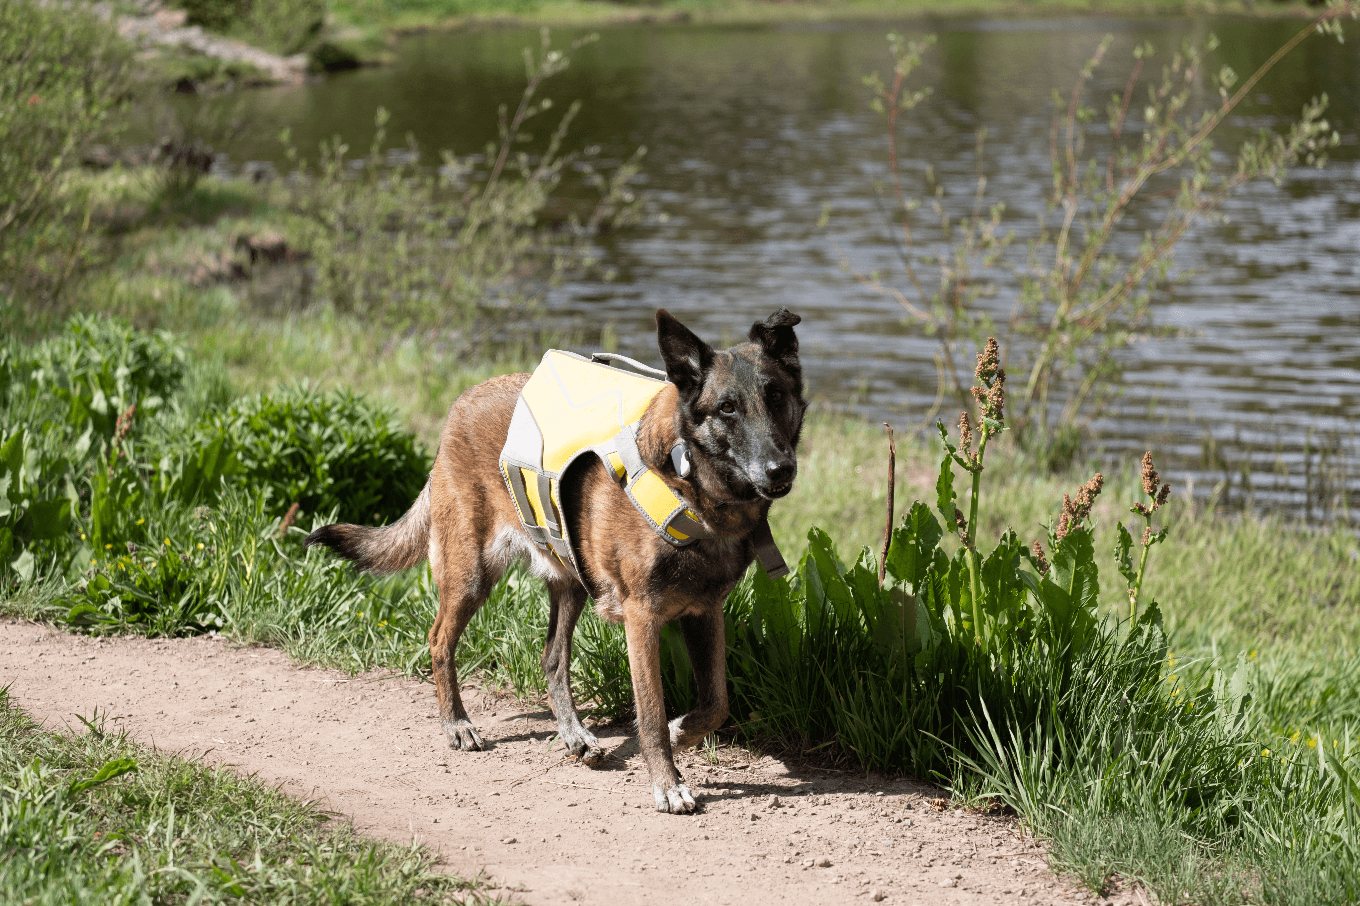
777 480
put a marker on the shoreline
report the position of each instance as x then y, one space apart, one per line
371 38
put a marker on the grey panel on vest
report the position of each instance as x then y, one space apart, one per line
524 440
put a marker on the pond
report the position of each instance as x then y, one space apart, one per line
759 185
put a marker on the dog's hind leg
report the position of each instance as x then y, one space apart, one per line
462 592
568 598
704 640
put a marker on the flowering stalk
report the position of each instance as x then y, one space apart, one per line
990 393
1157 494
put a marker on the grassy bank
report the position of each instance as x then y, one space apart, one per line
93 818
1202 739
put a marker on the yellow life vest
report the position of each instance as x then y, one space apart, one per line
574 406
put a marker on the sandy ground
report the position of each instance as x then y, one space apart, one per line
547 830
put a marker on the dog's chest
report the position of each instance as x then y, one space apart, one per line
675 583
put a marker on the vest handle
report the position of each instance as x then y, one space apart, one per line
609 358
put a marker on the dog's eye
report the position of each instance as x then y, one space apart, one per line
776 396
727 408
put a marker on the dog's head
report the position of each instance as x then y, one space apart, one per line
741 409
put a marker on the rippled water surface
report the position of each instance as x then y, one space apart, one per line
754 134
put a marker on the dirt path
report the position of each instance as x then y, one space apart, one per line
370 747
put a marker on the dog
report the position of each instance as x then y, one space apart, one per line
737 414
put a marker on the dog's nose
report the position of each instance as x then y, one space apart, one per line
777 473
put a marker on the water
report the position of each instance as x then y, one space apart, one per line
754 134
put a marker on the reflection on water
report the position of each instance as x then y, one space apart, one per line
754 132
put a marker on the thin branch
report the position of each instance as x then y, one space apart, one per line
892 486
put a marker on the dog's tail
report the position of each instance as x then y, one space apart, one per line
385 549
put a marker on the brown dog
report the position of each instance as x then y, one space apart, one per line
738 411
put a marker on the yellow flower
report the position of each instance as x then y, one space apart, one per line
108 547
1253 653
1295 737
1265 753
82 536
383 623
140 521
1312 743
200 545
167 542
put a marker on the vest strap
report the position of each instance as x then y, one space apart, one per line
768 552
669 514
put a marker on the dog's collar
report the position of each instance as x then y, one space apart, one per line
680 459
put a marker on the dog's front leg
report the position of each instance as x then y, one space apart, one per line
707 654
644 662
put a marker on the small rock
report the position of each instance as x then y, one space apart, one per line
755 817
823 862
509 840
877 895
774 802
958 813
949 882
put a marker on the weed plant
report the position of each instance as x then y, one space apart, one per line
64 74
92 818
392 240
1078 299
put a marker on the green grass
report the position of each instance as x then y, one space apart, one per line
415 14
93 818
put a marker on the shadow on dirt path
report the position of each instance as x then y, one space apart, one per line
548 830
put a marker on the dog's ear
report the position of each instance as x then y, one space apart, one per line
775 335
688 358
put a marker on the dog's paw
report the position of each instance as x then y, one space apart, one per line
461 734
585 747
677 800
